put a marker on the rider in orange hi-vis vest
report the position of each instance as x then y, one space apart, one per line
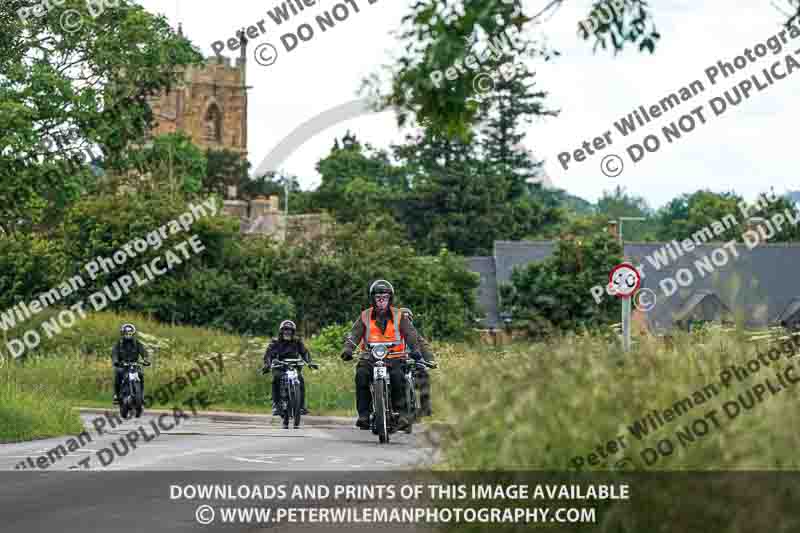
382 323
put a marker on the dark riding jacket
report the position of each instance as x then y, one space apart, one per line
284 349
128 351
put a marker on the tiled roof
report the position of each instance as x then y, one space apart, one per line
762 286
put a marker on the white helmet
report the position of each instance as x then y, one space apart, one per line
128 331
287 324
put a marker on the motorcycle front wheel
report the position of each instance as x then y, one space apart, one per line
381 422
294 406
138 399
124 401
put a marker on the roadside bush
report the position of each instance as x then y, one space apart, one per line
329 341
239 284
558 288
29 265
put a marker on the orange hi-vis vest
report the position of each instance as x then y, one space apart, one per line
372 333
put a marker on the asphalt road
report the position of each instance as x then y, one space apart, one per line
217 443
107 485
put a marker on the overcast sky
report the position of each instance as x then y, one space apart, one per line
747 149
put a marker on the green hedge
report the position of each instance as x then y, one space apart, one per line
243 285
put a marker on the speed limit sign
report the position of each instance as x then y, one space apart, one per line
624 280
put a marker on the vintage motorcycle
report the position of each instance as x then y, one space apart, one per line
132 390
290 403
383 420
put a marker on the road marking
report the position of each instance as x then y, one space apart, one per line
246 460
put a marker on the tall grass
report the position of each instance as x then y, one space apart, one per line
33 413
540 406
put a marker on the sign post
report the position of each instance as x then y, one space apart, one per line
623 282
626 324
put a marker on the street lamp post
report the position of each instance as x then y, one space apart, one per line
627 218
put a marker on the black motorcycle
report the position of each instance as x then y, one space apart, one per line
290 404
383 420
412 405
131 399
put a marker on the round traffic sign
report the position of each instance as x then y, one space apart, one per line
624 280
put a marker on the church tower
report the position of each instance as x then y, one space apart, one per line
209 104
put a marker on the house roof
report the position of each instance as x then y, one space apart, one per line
508 254
791 310
761 286
756 286
487 290
705 302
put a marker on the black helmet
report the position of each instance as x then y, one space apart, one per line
287 325
381 286
128 331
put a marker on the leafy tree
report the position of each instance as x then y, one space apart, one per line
556 290
436 34
352 160
172 164
690 213
618 203
328 278
225 168
456 202
462 201
505 113
89 86
789 232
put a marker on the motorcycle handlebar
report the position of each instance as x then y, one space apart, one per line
420 361
123 364
288 363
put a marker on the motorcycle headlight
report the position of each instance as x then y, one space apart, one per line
379 352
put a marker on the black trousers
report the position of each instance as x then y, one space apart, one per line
277 374
119 373
364 377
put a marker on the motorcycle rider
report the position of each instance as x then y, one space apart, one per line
382 323
421 376
127 349
286 346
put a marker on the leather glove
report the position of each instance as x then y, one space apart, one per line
347 356
315 366
264 370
